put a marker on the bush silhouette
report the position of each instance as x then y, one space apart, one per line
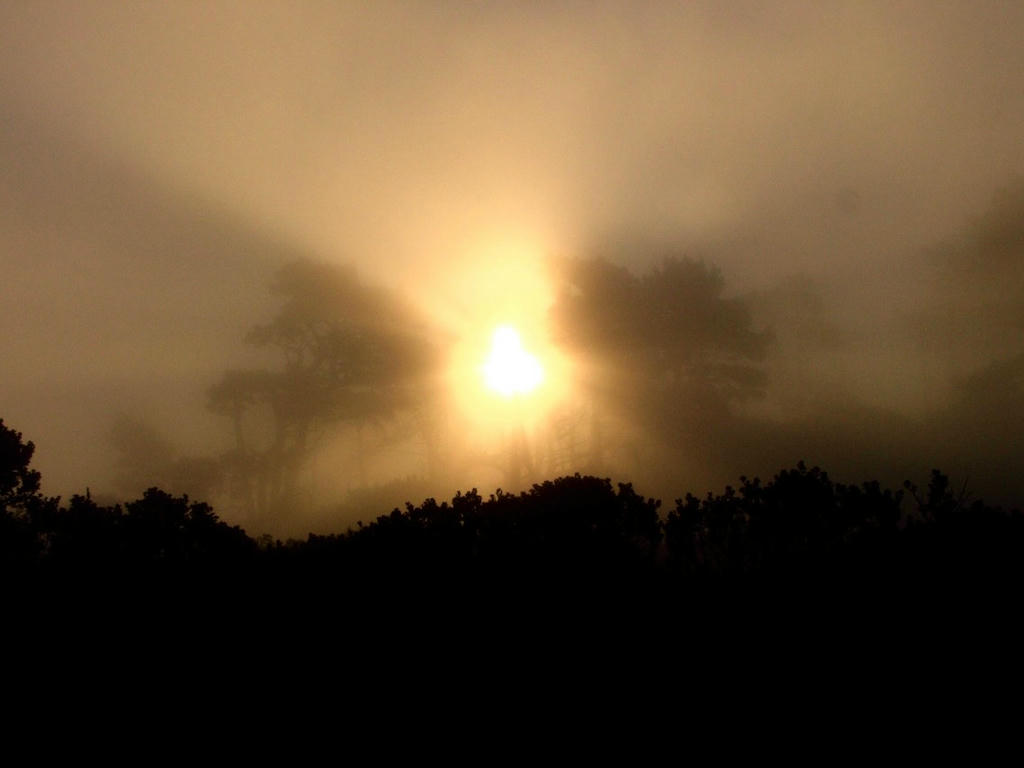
560 543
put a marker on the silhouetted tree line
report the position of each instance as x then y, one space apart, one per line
800 530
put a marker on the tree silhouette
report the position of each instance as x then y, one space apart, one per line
567 543
19 485
799 519
350 354
668 349
577 531
24 511
164 529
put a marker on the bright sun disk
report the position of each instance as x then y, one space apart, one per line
510 369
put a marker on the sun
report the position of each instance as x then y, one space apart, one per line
511 370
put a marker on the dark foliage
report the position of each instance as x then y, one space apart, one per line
23 508
576 528
799 517
568 542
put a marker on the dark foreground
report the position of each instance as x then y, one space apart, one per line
570 550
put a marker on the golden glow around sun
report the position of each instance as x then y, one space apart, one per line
510 369
502 370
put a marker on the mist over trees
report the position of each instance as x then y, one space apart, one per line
251 255
661 360
666 354
832 164
677 379
348 356
683 378
680 380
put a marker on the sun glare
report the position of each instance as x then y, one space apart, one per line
510 369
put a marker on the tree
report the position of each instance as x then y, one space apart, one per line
571 530
799 519
24 511
668 351
19 485
350 355
164 529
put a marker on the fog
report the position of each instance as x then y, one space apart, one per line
838 189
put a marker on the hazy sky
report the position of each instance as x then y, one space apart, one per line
157 159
